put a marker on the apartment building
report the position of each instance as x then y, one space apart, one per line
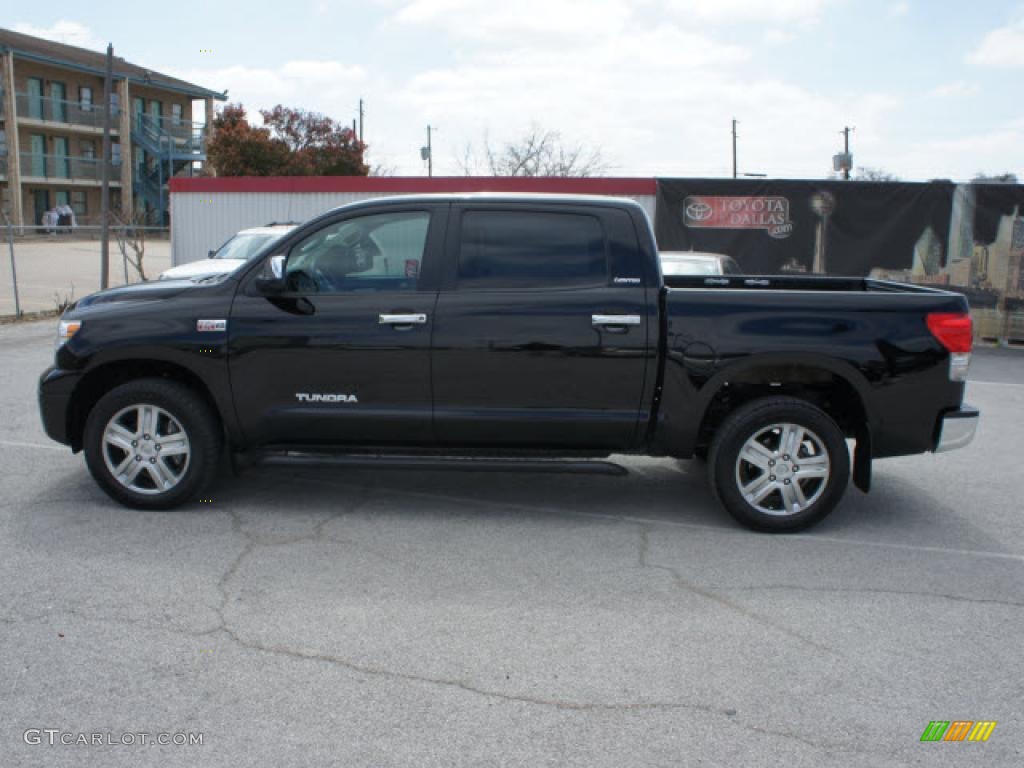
51 131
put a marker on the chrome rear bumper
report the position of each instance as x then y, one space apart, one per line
957 428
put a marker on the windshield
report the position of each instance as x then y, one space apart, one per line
243 246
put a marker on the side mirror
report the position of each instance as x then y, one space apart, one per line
272 283
211 254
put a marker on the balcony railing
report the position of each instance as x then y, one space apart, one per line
64 167
3 165
63 111
164 129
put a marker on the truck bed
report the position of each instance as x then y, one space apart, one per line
795 283
872 333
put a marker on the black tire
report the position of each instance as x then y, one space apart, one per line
184 411
767 421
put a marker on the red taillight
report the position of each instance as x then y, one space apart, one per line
954 330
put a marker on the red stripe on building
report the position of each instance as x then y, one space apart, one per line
415 184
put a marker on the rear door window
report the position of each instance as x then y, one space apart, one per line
530 250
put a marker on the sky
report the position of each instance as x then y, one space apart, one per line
932 88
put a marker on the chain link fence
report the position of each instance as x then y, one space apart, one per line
47 267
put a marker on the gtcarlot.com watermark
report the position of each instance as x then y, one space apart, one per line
56 737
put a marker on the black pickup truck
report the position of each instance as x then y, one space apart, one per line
498 327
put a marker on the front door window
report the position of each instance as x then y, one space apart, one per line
155 108
382 252
40 204
35 98
58 102
37 156
139 108
61 161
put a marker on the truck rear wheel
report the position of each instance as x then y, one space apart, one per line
779 464
152 444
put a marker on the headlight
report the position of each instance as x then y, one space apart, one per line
66 330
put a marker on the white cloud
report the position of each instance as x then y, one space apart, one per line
654 93
64 31
747 11
1001 48
901 8
776 36
995 151
321 86
953 89
320 72
526 22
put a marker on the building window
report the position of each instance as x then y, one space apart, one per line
115 153
85 98
88 149
78 202
115 102
176 114
3 143
61 198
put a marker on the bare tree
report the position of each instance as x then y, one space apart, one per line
130 232
995 178
874 174
538 152
382 169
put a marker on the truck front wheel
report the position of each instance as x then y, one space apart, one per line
779 464
152 444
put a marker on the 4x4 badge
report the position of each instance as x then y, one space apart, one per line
206 326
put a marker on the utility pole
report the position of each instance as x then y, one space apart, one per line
734 147
360 120
846 151
427 153
108 87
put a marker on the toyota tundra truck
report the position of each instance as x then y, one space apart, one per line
501 328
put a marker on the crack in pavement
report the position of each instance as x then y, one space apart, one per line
865 590
252 542
643 561
87 616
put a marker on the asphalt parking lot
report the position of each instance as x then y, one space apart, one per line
395 618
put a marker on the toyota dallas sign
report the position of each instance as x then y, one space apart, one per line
767 212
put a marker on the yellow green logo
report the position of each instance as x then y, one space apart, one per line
958 730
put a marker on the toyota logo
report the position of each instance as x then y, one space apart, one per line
698 211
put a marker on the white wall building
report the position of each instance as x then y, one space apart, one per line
207 211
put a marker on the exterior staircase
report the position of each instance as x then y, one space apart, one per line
170 148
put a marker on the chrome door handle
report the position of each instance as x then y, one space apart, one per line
402 319
614 320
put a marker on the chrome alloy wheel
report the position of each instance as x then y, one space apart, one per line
782 469
146 449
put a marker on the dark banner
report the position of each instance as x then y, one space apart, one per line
966 237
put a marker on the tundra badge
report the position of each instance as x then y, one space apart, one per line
205 326
305 397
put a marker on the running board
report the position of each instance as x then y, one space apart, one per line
459 463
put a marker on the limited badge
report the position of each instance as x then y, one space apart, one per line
211 326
